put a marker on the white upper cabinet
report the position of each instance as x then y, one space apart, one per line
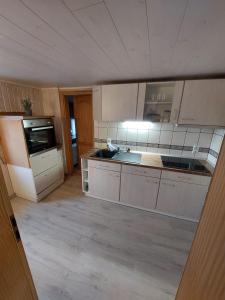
117 102
203 103
159 101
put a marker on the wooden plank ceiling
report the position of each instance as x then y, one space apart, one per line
82 42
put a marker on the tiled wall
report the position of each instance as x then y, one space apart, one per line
154 137
216 145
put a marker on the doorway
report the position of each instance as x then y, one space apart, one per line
77 118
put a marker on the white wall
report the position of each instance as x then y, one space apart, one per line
215 146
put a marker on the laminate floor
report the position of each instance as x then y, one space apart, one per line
84 248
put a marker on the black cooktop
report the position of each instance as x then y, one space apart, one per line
184 164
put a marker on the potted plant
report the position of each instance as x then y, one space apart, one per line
27 106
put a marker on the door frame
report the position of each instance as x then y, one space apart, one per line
204 272
64 108
6 205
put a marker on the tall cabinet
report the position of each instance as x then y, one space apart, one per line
32 177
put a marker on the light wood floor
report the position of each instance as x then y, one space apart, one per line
87 249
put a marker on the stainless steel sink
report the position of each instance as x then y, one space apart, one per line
127 157
104 153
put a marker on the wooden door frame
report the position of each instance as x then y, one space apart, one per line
9 212
64 108
204 272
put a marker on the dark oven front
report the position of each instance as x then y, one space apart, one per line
39 134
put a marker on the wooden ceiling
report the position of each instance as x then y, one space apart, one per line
83 42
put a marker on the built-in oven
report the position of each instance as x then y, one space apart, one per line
39 134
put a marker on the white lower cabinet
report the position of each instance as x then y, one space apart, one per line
181 199
140 191
104 184
173 193
47 178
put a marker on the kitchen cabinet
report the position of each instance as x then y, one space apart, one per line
140 191
117 102
203 103
104 184
182 195
159 101
44 161
173 193
97 102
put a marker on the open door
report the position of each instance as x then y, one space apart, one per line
15 277
83 114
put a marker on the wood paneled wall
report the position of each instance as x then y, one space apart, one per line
51 107
11 95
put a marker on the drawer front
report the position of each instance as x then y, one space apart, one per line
104 165
136 170
47 178
43 162
184 177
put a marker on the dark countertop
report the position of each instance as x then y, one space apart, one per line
151 160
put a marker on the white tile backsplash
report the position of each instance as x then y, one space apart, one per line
142 135
159 133
122 134
166 137
132 135
191 139
205 140
216 142
153 136
112 133
102 132
167 126
193 129
178 138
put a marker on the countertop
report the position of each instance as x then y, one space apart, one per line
151 160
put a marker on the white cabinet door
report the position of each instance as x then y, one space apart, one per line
181 198
203 103
159 97
119 102
104 184
138 190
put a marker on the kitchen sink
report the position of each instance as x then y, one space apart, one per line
121 155
104 153
127 157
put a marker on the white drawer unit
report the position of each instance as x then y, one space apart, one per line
141 171
104 184
185 177
44 161
140 191
47 178
104 165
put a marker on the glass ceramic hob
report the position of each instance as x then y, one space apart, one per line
184 164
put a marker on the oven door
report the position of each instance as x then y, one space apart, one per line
40 138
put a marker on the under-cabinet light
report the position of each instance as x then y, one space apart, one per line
137 125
